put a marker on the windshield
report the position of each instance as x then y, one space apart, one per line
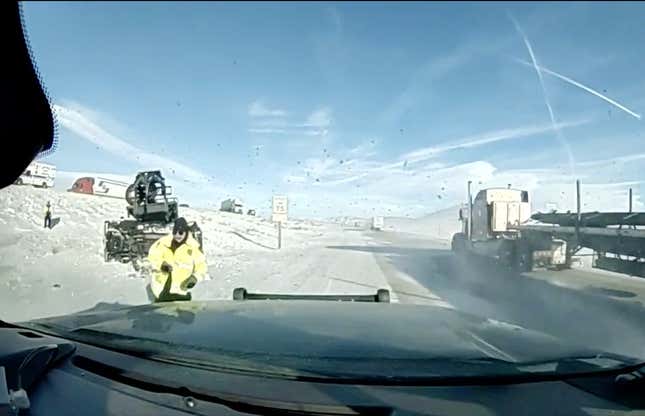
413 160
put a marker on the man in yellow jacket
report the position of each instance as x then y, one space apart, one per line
177 264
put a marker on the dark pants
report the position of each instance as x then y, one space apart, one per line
166 296
48 220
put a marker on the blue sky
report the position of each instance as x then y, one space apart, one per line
348 108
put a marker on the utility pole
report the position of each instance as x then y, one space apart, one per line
279 235
470 212
579 215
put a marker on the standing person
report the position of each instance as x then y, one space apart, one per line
177 263
48 216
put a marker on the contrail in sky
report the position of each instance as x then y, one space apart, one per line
584 87
562 139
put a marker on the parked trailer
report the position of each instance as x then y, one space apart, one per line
100 186
502 230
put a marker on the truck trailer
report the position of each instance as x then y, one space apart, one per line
100 186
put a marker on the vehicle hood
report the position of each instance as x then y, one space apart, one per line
312 337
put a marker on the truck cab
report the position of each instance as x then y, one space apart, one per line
232 205
498 211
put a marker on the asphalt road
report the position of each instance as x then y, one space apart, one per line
594 308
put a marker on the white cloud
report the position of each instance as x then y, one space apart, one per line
416 192
332 171
316 124
364 149
614 160
75 121
294 132
259 109
320 118
322 132
267 131
294 179
485 138
405 185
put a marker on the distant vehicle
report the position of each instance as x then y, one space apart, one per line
232 205
251 212
38 174
184 206
377 223
100 186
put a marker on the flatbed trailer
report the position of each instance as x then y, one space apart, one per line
616 247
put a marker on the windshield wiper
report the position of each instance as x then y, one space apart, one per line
381 296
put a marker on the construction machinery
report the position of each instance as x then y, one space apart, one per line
153 213
498 225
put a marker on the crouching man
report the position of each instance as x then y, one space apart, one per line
177 264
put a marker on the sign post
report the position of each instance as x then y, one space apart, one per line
279 214
279 235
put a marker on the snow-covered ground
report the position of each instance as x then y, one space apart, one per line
50 272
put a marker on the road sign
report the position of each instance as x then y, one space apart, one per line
280 209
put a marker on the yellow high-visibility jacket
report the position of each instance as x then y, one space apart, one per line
187 260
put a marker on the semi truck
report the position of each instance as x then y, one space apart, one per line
498 225
38 174
377 223
95 185
232 205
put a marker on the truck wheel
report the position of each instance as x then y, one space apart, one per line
239 293
19 181
506 256
458 242
383 296
523 259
